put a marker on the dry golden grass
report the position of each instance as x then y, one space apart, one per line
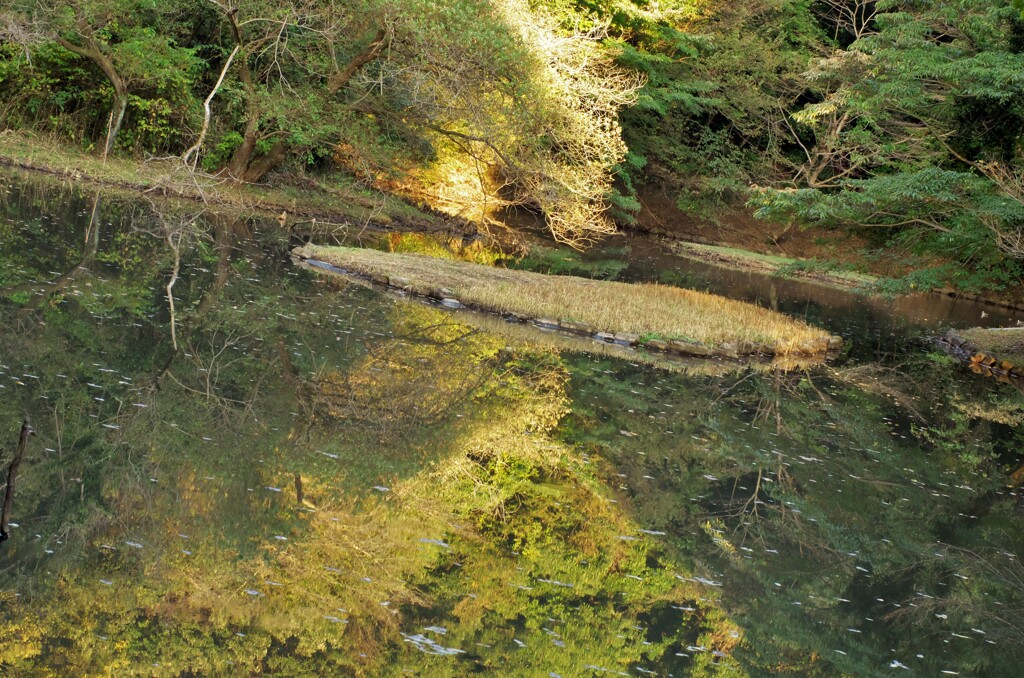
644 310
1005 343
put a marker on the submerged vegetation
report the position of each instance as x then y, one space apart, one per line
641 310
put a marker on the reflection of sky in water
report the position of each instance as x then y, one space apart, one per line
327 480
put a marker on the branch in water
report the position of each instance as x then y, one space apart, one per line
27 430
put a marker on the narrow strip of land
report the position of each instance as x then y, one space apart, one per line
776 265
658 316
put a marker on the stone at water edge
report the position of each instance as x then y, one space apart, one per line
728 350
575 326
687 348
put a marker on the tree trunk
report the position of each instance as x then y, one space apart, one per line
340 78
116 118
263 164
27 430
92 51
242 156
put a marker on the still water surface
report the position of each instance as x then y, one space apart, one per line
325 480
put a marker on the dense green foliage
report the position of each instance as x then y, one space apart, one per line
898 118
443 101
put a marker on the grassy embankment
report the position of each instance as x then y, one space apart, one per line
994 351
776 265
1003 343
660 317
341 202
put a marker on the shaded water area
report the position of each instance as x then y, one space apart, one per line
326 480
881 326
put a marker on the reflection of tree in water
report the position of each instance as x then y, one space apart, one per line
820 510
601 514
412 379
163 497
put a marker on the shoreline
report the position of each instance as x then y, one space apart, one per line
319 205
977 348
748 260
755 262
576 305
347 205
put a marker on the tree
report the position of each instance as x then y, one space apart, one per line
118 38
916 128
498 83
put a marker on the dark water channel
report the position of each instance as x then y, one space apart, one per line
310 478
877 326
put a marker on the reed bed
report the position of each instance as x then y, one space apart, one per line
645 310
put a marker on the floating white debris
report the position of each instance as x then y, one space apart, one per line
428 646
555 582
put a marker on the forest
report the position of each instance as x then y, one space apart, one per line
900 120
329 343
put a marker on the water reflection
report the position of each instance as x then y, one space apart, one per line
878 327
323 480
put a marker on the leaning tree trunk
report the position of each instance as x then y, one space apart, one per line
116 118
92 51
260 166
242 157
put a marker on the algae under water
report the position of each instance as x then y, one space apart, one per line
325 480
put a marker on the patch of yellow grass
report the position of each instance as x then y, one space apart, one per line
644 310
1005 343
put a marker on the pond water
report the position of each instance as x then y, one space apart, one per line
325 480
